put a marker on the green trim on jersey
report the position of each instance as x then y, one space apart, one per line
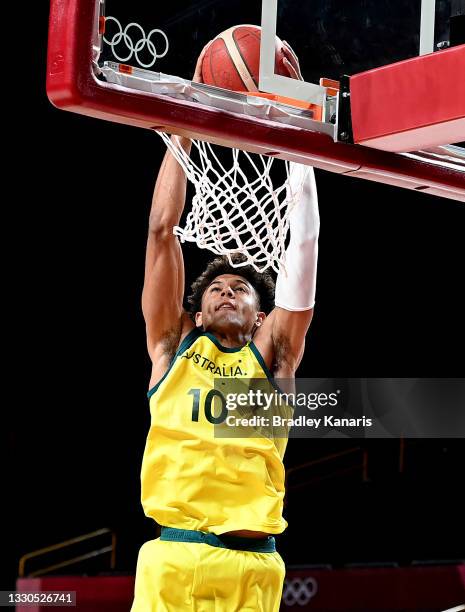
261 361
222 348
192 337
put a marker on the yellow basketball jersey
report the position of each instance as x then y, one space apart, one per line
192 479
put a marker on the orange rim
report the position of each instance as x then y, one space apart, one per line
317 110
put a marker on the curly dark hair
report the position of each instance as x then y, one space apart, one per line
263 283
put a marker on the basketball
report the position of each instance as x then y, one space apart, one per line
232 61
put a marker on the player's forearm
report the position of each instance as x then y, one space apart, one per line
169 195
296 285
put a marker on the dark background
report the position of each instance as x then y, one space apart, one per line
390 303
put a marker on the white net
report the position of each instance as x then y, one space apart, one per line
237 209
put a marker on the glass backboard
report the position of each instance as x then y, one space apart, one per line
330 37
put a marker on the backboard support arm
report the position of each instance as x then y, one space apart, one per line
428 21
275 83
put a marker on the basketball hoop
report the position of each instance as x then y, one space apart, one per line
237 209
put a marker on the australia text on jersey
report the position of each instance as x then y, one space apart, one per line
206 364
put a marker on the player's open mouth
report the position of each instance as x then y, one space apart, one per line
226 306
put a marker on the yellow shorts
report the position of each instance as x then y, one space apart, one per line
175 575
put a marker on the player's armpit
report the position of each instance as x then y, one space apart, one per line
288 336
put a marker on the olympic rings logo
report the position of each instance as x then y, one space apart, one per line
299 591
144 42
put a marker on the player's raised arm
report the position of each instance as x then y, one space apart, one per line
296 285
163 291
162 295
282 337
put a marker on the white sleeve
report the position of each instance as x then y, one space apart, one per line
296 282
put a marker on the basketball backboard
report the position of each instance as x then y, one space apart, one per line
330 37
133 63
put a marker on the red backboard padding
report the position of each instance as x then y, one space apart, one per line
411 105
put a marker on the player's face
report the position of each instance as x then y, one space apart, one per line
229 303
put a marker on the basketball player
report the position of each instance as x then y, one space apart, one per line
219 500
